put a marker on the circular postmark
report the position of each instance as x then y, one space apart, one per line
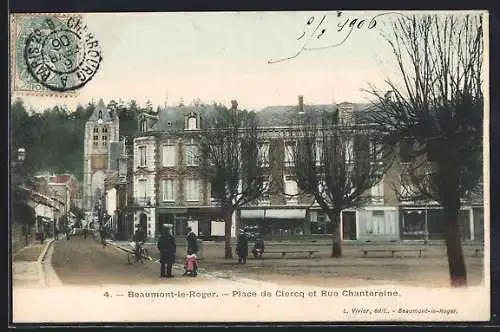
61 54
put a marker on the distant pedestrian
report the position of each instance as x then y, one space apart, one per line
56 233
85 232
42 237
67 230
192 241
242 248
102 233
258 247
167 247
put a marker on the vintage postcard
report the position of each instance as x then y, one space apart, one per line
216 167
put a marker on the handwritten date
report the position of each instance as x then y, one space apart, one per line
314 31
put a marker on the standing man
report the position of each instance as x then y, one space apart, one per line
242 248
167 248
192 241
68 230
102 232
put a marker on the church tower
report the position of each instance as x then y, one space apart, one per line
101 129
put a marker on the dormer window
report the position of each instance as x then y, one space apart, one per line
100 115
192 123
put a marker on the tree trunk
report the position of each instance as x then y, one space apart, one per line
336 247
228 253
456 262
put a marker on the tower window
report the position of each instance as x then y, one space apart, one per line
96 137
96 130
105 129
192 123
95 143
104 138
104 143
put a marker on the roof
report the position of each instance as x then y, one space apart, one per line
106 114
171 119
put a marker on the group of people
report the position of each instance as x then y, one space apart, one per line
167 247
242 248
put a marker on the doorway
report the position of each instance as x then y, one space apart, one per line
349 225
143 222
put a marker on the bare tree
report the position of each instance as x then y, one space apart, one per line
336 162
438 108
230 162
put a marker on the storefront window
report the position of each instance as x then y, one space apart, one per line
320 224
413 224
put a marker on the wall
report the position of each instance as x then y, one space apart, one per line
111 201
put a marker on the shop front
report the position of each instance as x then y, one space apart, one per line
378 223
275 223
206 222
320 224
427 223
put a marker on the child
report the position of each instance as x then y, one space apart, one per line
190 265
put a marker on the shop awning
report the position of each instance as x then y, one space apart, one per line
273 214
285 214
252 214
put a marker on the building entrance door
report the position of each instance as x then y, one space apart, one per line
143 222
349 225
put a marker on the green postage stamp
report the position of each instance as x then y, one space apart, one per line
52 54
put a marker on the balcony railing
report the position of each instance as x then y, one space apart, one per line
143 201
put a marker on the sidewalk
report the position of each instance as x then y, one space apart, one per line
27 264
33 252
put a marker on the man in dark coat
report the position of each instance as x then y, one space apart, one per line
102 233
192 241
242 248
167 248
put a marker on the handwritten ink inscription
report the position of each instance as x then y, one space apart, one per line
316 29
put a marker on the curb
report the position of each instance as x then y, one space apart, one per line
44 251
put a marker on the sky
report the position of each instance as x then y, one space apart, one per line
166 57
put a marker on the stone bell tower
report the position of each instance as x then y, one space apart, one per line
101 129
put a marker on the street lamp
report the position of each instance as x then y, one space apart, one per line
21 157
21 154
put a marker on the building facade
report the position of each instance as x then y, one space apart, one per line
165 186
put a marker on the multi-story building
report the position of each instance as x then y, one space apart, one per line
167 188
119 192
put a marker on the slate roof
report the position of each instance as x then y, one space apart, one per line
107 115
172 118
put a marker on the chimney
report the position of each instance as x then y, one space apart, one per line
301 104
234 105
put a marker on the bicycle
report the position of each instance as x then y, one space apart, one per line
137 254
